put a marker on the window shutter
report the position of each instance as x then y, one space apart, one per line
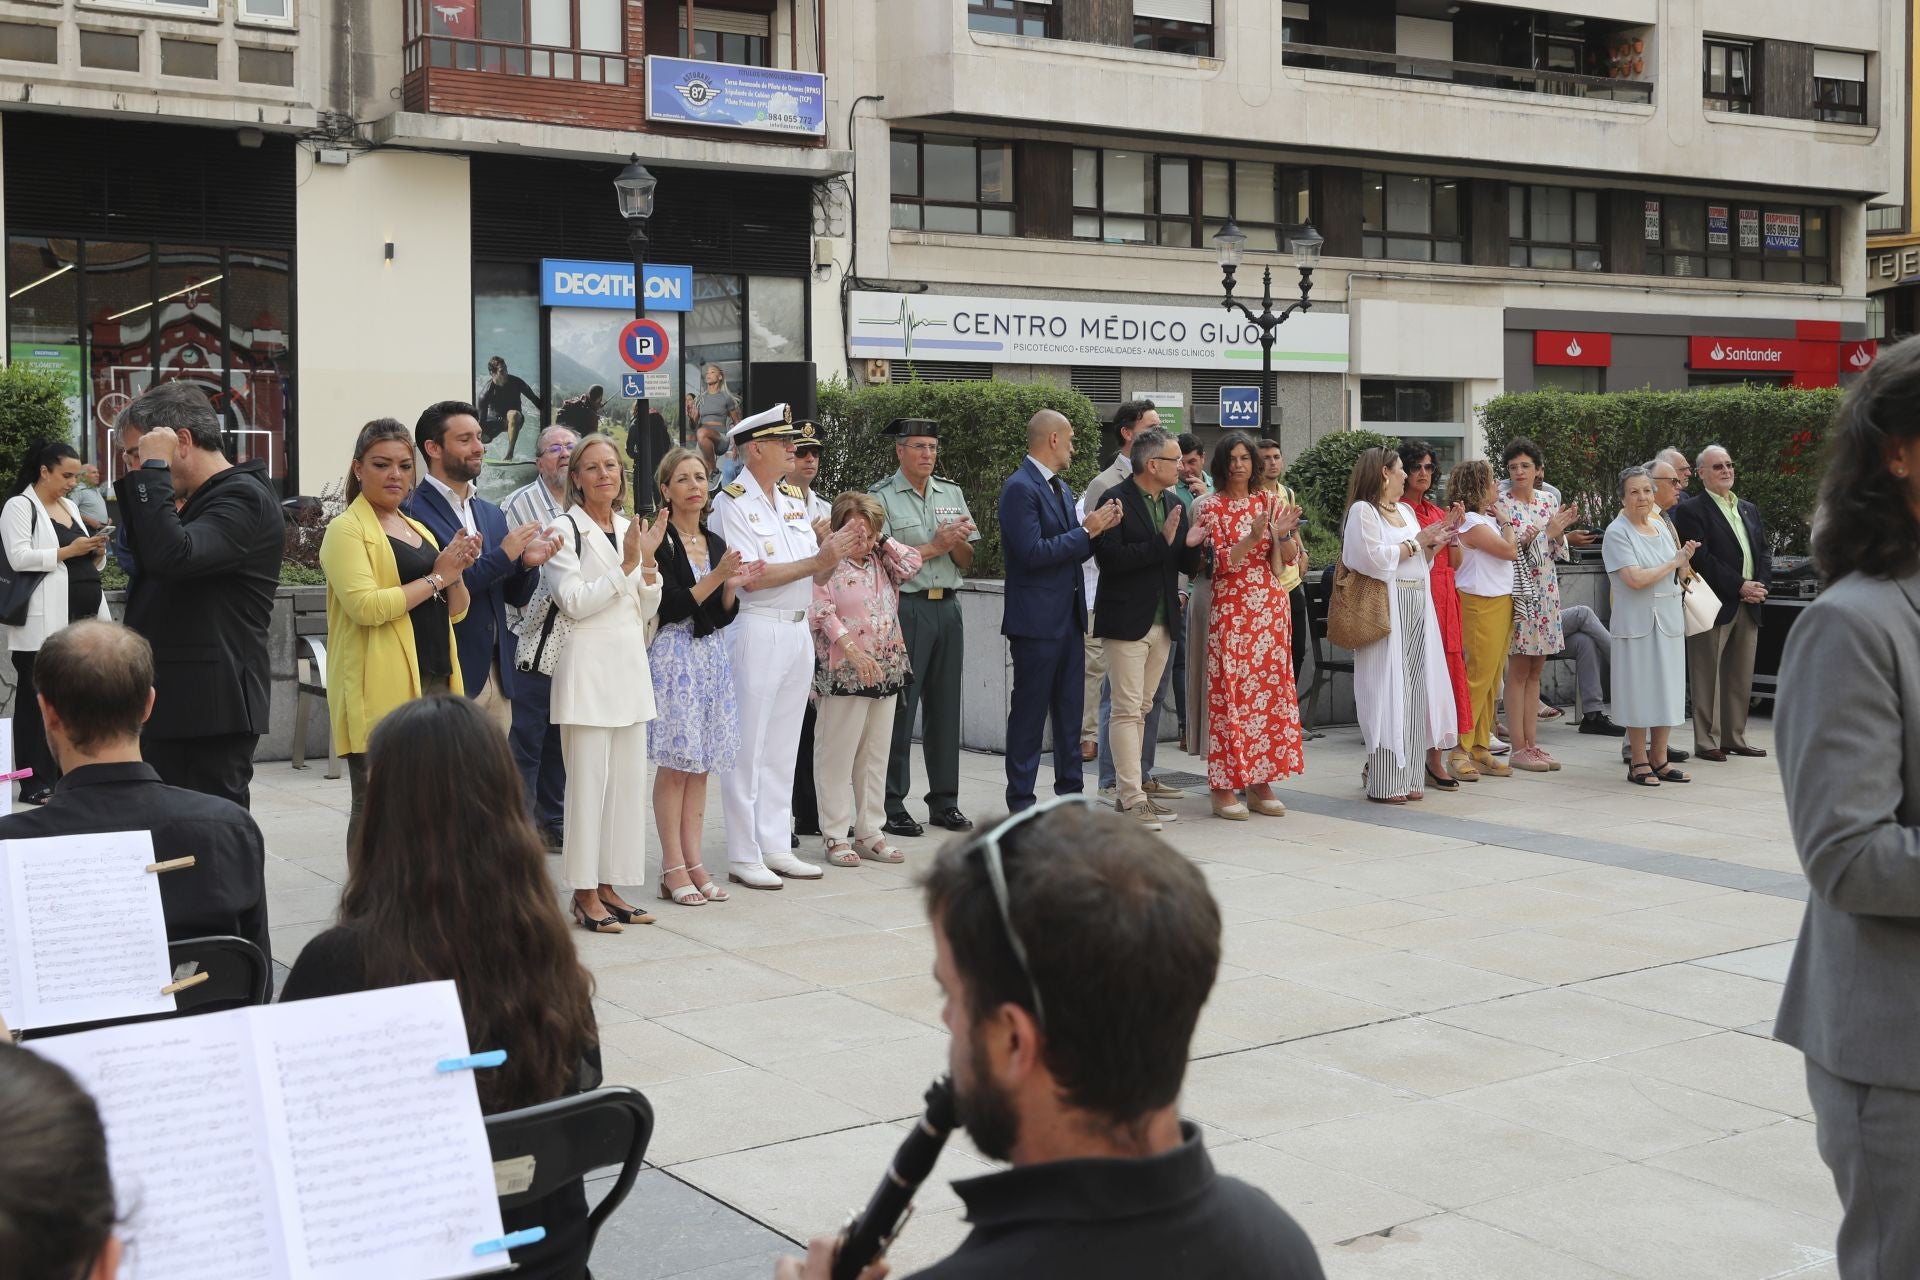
1832 64
724 21
1200 11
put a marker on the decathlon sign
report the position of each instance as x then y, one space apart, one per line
567 283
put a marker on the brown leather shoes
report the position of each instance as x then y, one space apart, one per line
1753 753
1718 757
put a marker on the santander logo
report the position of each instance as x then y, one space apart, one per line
1860 359
1573 349
1719 352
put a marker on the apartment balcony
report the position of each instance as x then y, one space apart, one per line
239 62
1566 84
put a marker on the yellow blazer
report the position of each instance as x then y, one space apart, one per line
371 664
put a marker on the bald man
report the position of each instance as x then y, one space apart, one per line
1045 607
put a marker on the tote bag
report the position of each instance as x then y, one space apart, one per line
1701 605
1357 609
17 588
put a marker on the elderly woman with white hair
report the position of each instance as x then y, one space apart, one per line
1649 656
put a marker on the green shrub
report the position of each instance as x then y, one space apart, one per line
1320 475
33 410
1775 435
983 439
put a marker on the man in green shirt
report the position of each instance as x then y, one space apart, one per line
929 514
1736 562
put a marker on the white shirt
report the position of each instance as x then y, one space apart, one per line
1481 574
775 527
818 508
1046 472
531 504
459 501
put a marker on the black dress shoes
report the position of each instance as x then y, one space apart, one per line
952 819
902 826
1596 722
1676 756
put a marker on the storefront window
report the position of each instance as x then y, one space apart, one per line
776 318
506 326
1416 409
43 316
1569 378
713 338
259 354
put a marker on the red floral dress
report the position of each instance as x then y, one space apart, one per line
1253 708
1446 607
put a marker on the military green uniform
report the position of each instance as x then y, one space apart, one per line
930 624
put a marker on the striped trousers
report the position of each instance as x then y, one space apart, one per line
1386 776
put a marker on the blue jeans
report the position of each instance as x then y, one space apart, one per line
536 750
1149 733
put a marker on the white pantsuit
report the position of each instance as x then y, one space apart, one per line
772 671
602 700
851 738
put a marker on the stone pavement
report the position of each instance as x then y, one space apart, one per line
1518 1032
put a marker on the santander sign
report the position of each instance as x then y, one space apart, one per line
1745 353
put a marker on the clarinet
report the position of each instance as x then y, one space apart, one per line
867 1236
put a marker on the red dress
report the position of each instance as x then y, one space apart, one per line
1446 606
1253 710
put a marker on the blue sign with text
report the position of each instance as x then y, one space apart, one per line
723 96
609 285
1240 407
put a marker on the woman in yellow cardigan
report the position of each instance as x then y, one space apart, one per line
393 595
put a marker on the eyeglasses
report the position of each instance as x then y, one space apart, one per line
1719 466
989 846
1423 466
559 450
1175 459
923 447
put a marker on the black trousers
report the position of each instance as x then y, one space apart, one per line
30 749
1297 598
221 765
806 803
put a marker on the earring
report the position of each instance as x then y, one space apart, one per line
1901 472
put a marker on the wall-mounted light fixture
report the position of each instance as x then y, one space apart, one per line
389 251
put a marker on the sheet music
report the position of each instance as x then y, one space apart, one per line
90 936
189 1154
306 1141
9 995
385 1163
6 746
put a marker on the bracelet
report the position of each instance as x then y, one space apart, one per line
437 582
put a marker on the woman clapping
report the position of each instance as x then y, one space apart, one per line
605 579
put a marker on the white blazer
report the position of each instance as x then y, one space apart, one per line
32 546
602 677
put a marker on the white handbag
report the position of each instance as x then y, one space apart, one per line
1702 607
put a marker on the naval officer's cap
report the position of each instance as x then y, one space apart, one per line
771 424
807 436
907 428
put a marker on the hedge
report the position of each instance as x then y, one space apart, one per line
1775 434
33 410
983 439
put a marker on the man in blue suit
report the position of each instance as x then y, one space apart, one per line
1045 609
448 435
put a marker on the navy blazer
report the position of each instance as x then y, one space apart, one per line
493 583
1042 545
1699 519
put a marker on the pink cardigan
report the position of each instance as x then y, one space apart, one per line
862 599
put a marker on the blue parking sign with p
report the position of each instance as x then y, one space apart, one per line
1240 407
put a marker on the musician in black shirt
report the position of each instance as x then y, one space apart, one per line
1071 995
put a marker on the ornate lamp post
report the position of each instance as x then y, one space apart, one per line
1305 245
634 187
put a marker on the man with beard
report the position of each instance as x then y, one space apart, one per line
1067 1055
449 438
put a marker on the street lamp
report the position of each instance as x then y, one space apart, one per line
1305 245
634 187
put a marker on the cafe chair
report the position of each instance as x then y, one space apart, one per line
539 1149
1325 666
238 975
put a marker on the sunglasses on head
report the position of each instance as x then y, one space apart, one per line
989 846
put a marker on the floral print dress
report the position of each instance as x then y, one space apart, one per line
1536 630
1253 710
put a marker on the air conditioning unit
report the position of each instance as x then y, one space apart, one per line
879 371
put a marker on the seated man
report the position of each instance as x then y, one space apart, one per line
1067 1057
1592 648
95 684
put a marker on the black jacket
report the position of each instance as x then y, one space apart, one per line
203 596
1699 519
1139 569
223 892
677 580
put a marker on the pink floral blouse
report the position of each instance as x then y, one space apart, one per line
862 598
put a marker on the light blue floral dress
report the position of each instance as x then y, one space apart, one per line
697 728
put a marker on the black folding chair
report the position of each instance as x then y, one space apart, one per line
238 975
1325 665
554 1143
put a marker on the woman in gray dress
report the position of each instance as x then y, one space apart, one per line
1649 629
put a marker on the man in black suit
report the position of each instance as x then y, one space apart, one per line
94 680
1736 563
203 591
1141 561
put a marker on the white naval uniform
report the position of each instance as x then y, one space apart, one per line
772 654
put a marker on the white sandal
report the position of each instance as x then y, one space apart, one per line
709 890
841 854
687 895
878 850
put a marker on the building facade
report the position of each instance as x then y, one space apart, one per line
1594 194
330 211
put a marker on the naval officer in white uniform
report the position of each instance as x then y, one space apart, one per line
765 518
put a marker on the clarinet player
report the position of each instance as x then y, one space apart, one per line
1067 1057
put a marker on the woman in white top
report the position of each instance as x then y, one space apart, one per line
604 579
42 532
1484 579
1400 682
